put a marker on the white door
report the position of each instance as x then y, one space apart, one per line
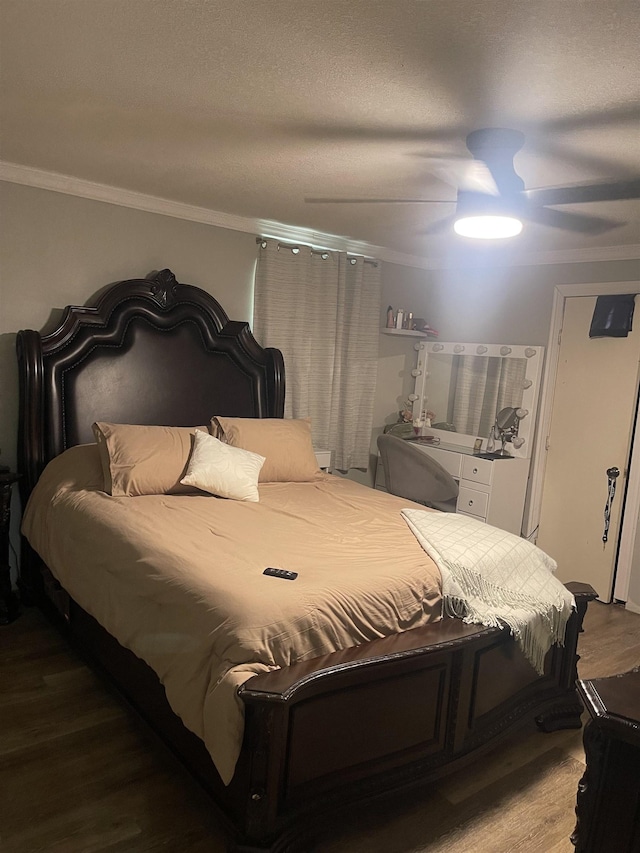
593 412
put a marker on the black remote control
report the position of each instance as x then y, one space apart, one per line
281 573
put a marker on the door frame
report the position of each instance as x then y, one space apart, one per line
629 519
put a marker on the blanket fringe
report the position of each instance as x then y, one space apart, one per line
535 630
484 570
476 585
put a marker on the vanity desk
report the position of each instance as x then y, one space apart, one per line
491 490
463 389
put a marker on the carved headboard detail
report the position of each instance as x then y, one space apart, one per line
169 349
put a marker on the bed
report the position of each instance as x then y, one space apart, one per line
320 732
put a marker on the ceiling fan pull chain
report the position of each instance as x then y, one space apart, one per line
612 475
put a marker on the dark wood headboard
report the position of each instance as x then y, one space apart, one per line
147 351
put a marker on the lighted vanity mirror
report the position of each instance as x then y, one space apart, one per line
465 385
467 391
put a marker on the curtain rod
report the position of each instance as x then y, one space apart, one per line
262 241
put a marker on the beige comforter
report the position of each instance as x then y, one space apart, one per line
178 579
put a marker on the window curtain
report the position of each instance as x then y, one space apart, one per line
322 309
484 386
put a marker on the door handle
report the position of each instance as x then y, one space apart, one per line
612 475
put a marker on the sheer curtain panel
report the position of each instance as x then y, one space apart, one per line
322 309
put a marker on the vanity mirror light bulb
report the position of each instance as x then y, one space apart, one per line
518 441
505 350
416 372
436 347
522 413
413 397
481 349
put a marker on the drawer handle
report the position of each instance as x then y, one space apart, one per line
470 503
475 470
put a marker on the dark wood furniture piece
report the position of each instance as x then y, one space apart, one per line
321 734
608 801
9 606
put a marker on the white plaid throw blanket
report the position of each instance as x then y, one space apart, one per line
491 577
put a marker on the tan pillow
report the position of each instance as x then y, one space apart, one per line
144 460
285 444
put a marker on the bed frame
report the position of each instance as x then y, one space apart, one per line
319 735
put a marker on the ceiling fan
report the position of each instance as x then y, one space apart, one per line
492 200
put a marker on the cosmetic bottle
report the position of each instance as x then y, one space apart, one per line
390 322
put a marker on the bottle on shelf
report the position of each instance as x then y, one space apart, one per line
399 318
390 318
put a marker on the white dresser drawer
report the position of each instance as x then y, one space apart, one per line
472 502
477 470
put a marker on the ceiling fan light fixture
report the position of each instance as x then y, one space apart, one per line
488 226
484 217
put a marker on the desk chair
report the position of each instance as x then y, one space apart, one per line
414 475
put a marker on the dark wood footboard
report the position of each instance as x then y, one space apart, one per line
394 713
354 725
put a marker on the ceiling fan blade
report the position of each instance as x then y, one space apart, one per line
321 200
593 164
578 222
477 177
320 131
440 226
473 176
622 190
616 116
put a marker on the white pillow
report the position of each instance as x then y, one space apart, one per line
226 471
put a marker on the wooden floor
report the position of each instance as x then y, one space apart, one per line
79 773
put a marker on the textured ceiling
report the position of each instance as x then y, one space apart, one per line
247 107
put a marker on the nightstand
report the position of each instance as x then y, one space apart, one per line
323 458
608 802
8 600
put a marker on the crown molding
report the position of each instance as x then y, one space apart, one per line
69 185
56 182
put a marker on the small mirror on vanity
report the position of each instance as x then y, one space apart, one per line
468 385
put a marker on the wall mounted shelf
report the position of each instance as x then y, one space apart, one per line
405 332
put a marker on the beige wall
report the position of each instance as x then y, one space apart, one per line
57 250
412 290
511 304
633 600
